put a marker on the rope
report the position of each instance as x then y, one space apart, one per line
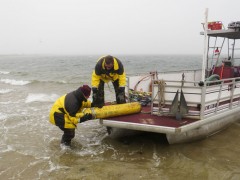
135 87
161 97
162 89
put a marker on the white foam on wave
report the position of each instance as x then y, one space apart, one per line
4 72
63 82
5 91
54 166
2 116
15 82
41 97
6 148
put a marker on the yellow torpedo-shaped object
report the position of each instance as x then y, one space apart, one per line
114 110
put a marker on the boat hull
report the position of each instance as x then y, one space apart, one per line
176 131
215 124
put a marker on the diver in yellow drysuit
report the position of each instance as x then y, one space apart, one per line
66 112
108 68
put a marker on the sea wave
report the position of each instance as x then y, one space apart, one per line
5 91
41 97
2 116
50 81
4 72
15 82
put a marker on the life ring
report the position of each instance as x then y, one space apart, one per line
213 77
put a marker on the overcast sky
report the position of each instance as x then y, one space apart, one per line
75 27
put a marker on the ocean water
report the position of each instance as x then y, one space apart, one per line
29 144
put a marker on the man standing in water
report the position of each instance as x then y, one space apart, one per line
108 68
66 112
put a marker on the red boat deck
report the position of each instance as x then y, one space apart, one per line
145 117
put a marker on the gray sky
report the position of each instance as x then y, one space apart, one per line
108 26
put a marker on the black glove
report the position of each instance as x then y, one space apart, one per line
97 105
121 89
94 90
100 105
121 95
94 96
86 117
95 102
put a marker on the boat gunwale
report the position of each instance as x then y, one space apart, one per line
167 129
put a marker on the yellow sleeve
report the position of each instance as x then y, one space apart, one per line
79 115
122 80
86 104
95 80
74 120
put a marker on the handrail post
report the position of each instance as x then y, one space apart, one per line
232 92
203 96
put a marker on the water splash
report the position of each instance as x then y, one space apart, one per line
15 82
4 72
5 91
40 97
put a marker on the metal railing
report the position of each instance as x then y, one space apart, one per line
211 98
